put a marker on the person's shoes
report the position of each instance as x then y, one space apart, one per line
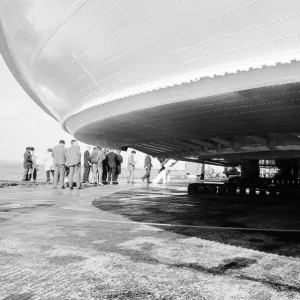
100 183
71 188
115 183
108 183
62 187
143 179
80 188
148 181
83 181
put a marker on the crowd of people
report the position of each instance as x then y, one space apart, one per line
101 166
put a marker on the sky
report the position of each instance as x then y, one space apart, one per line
23 123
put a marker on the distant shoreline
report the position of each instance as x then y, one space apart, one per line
21 162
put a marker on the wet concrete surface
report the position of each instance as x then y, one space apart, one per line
277 219
98 243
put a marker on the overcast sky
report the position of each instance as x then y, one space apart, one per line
23 123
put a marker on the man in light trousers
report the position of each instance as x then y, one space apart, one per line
94 164
74 164
131 167
59 161
100 157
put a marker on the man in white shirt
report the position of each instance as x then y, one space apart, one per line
131 167
49 166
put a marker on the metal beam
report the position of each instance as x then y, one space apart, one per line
236 144
202 143
261 155
154 147
174 146
258 139
187 145
146 150
161 146
221 141
271 142
146 147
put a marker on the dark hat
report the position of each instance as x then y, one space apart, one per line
49 150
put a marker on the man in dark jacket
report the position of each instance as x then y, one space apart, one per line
105 167
87 165
147 166
119 167
27 164
113 162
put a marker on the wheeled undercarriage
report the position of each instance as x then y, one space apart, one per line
254 180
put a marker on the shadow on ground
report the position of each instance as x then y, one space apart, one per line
175 207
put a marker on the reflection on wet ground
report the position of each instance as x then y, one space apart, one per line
265 224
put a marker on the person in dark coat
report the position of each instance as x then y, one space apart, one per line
35 165
105 167
87 165
147 166
119 167
27 164
113 162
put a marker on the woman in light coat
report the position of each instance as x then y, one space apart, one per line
49 167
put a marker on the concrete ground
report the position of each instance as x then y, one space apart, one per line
139 242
